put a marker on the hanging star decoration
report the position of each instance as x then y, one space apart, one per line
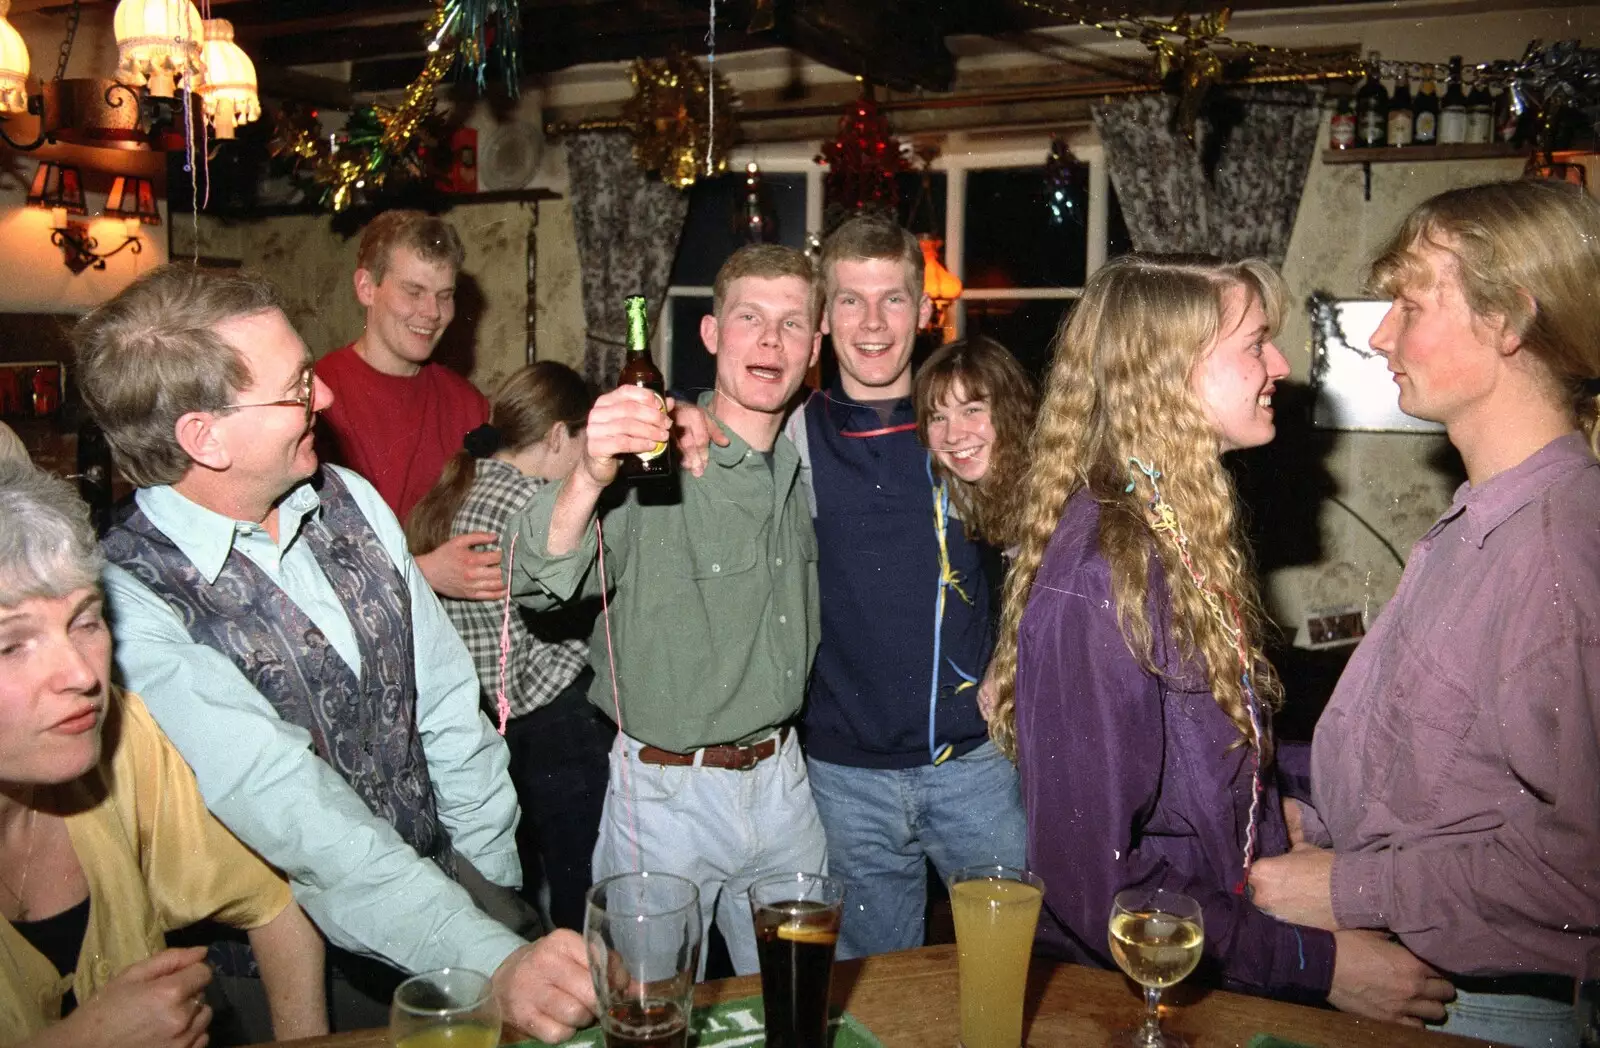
669 117
862 160
1065 185
1195 64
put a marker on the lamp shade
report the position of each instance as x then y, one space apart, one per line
938 283
57 186
229 85
133 197
14 65
158 41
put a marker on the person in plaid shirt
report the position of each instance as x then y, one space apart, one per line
558 740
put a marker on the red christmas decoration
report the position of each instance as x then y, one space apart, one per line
862 160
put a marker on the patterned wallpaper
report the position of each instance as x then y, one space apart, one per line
1398 482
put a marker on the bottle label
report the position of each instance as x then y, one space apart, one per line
1400 129
1372 128
1426 127
1342 132
655 452
1480 128
1452 127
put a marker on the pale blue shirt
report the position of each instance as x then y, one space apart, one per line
360 882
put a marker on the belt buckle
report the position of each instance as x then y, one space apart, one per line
747 758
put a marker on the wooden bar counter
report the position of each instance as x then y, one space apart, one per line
909 1000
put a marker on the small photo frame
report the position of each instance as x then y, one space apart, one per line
32 389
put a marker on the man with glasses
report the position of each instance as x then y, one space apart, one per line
268 613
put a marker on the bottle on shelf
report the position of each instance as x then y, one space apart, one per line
1453 108
1480 114
1425 111
1342 128
1372 107
1398 127
639 370
1507 121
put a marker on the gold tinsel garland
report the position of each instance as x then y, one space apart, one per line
669 116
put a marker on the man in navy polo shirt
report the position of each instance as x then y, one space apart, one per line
899 757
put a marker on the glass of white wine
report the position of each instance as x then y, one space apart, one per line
1156 937
447 1008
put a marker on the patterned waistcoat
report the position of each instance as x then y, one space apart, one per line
366 726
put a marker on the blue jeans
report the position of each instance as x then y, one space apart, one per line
719 828
882 826
1527 1022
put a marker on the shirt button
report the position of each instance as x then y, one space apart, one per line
782 619
778 562
788 673
715 568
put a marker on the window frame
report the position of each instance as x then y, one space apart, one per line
959 154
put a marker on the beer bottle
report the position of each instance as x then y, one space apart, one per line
1342 128
1425 114
1508 123
1453 108
1398 130
639 370
1480 114
1372 106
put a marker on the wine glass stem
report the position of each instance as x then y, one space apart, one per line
1151 1033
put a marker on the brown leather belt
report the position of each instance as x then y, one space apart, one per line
731 758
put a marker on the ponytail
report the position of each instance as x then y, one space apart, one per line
429 525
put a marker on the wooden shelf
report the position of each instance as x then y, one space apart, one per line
1415 154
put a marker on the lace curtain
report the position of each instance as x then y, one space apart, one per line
1235 192
627 227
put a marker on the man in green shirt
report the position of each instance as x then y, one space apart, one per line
713 616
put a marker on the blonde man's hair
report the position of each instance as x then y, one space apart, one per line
151 355
1119 388
1527 252
432 238
769 261
868 237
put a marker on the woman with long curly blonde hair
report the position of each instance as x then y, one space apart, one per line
1130 682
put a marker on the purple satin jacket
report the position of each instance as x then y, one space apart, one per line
1132 779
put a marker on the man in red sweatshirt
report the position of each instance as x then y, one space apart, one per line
397 416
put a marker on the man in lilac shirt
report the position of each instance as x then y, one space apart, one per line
1456 771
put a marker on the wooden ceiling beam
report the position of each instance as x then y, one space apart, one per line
254 21
341 45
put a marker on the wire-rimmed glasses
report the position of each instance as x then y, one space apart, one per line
306 401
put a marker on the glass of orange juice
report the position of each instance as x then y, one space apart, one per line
996 909
447 1008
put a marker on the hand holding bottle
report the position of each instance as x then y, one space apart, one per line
626 421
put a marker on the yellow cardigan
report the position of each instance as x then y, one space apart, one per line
155 860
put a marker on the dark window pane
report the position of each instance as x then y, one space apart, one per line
1118 240
1027 327
1010 242
693 369
711 229
921 207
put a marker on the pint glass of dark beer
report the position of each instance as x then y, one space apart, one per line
797 927
642 933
